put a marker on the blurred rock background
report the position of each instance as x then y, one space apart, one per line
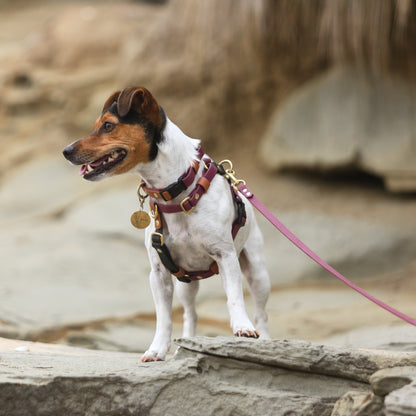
315 103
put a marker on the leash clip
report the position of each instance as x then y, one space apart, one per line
230 174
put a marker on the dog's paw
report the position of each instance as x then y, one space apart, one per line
246 333
150 356
244 328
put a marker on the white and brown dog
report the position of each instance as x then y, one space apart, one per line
201 225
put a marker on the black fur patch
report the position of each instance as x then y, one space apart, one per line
154 134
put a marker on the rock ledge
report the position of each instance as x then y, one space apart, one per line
209 376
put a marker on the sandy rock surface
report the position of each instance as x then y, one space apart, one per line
225 375
74 271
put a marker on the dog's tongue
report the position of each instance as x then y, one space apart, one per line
83 170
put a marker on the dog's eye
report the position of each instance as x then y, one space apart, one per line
107 126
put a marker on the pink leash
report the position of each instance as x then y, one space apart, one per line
298 243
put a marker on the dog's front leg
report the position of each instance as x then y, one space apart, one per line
230 272
162 289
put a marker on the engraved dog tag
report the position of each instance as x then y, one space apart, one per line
140 219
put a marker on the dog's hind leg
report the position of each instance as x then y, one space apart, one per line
186 293
253 265
231 275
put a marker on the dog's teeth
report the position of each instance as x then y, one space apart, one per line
110 159
89 168
114 154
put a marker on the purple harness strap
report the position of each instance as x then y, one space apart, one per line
298 243
187 205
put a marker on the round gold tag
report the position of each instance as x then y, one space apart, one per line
140 219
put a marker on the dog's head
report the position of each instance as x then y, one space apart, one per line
127 133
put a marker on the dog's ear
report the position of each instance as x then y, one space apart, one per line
140 100
111 99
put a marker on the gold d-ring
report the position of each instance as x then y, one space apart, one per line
141 196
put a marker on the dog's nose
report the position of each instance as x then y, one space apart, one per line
69 151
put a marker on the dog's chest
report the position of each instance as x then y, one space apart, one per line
197 239
190 241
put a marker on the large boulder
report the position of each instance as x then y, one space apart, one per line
209 376
347 119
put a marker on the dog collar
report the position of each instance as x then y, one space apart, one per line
188 203
174 189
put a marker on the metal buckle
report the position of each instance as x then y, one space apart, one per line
183 208
161 237
184 279
154 213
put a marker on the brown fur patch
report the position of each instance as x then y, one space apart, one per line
131 138
134 141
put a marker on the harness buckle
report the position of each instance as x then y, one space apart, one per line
184 279
158 240
154 212
186 211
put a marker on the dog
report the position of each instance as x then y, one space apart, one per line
199 221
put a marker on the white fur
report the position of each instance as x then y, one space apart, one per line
198 238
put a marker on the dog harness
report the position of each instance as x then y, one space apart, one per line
187 205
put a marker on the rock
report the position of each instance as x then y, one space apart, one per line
73 270
358 404
25 196
402 402
302 356
127 335
49 379
331 314
355 247
64 228
387 380
66 39
52 379
61 281
347 119
210 376
384 337
399 386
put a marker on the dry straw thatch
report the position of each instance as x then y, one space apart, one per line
366 32
243 56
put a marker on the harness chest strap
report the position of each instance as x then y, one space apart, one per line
157 237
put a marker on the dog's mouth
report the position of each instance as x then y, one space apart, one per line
103 164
